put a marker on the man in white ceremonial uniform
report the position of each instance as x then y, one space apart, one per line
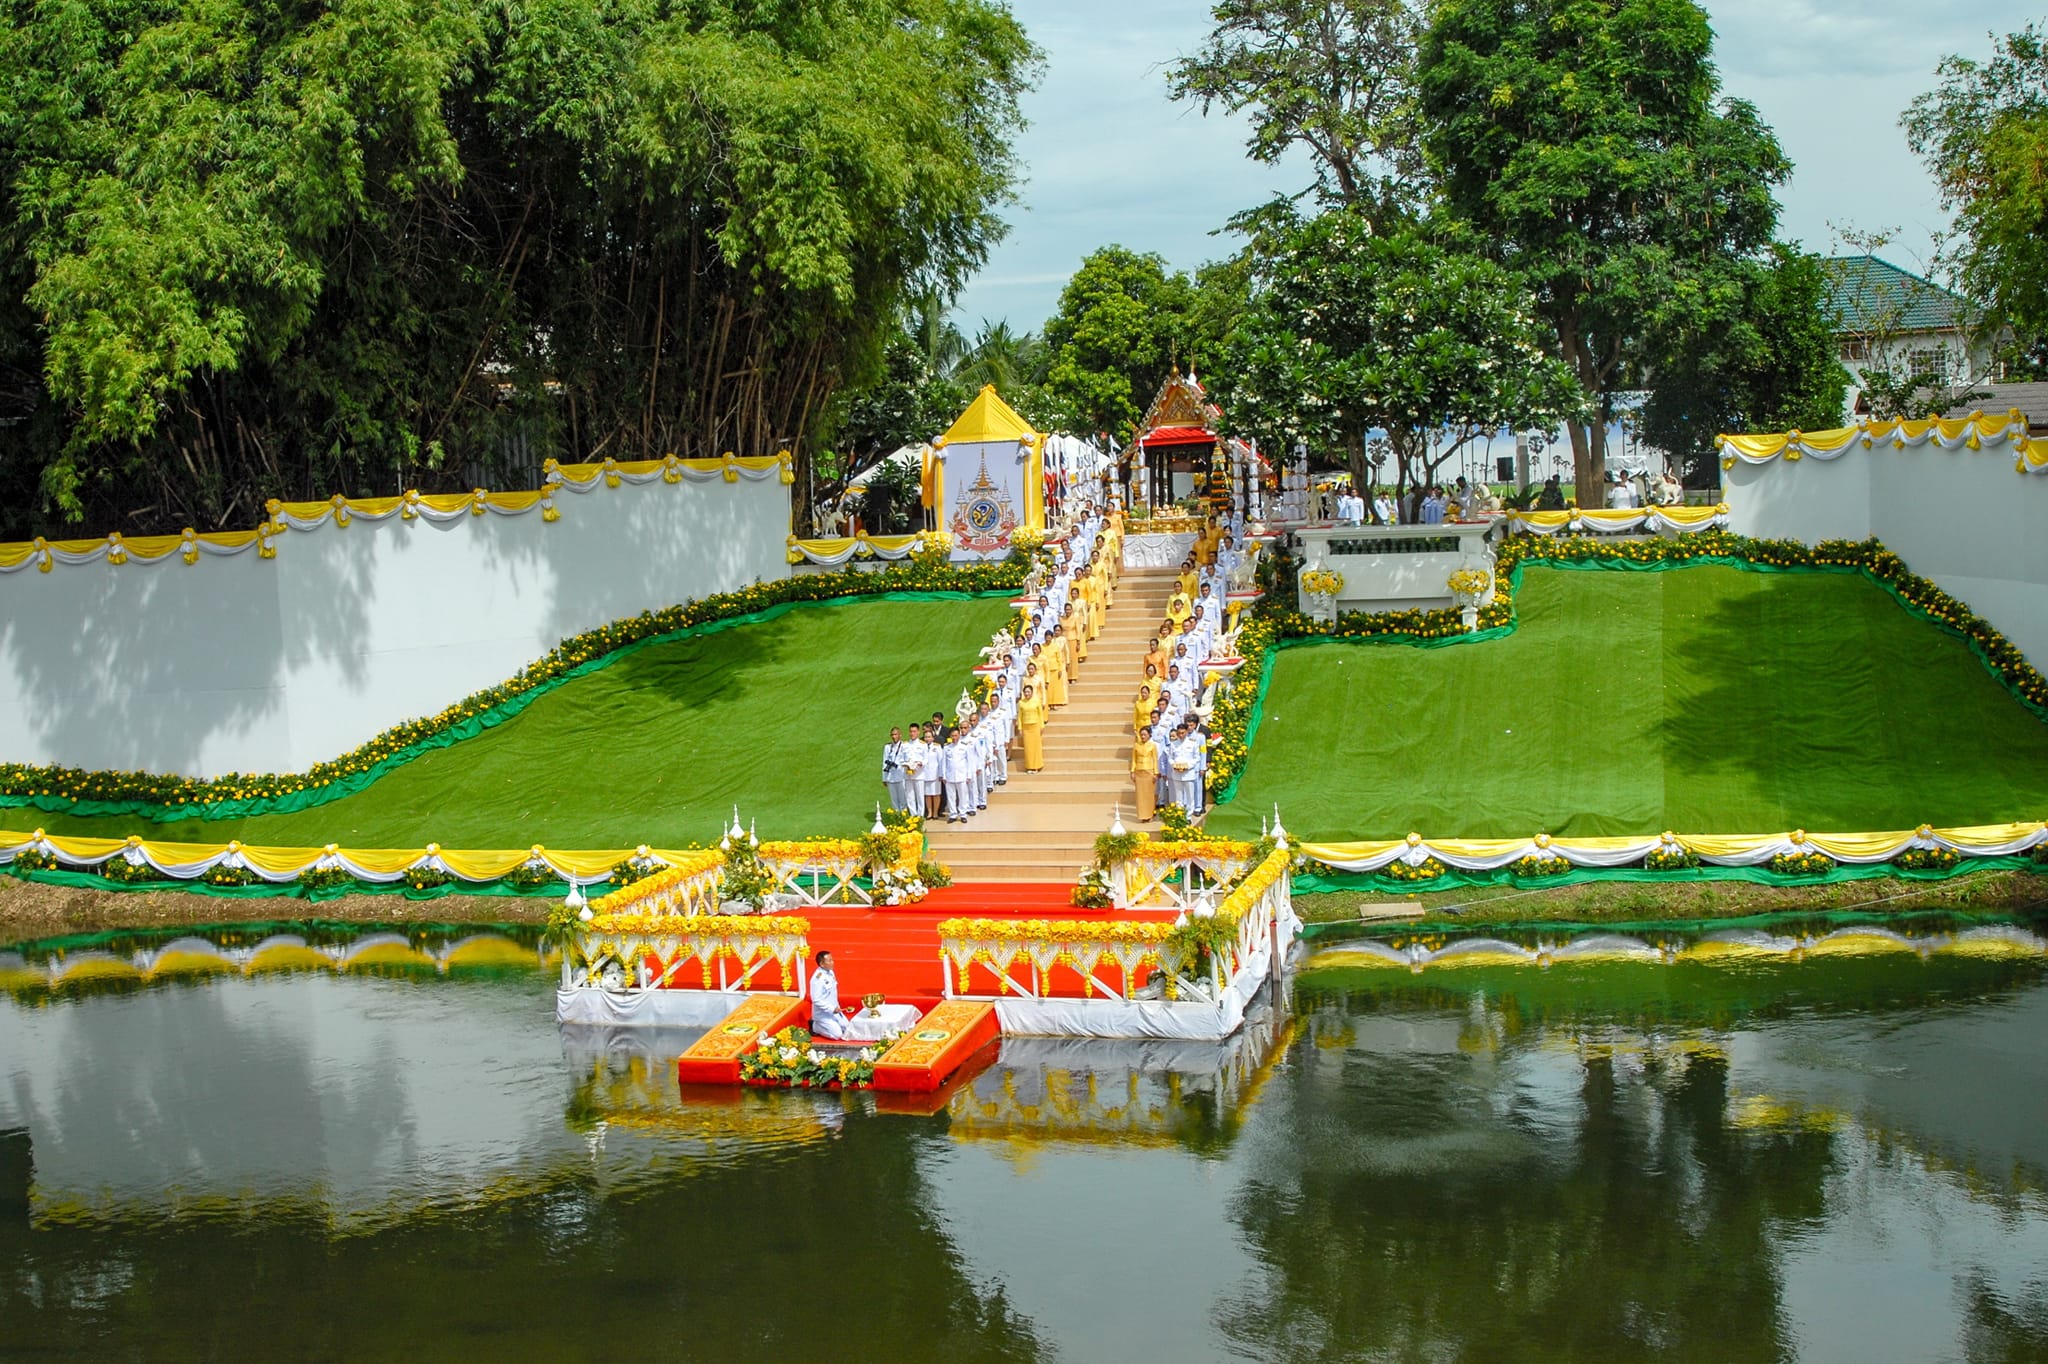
1200 785
953 769
892 769
827 1018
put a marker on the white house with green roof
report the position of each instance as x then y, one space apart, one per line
1894 321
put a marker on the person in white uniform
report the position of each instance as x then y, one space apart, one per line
892 769
827 1018
954 767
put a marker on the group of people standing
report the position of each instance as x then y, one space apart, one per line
1429 505
1170 735
920 771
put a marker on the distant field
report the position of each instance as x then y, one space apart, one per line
1703 700
784 719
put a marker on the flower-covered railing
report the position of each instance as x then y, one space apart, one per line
727 952
1199 955
1048 958
689 886
825 871
1176 875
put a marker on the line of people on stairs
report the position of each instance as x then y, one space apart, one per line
947 771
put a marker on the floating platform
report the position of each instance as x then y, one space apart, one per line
918 1062
940 1044
714 1059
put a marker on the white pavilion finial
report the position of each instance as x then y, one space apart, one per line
1116 821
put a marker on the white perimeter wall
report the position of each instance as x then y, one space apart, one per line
271 665
1961 517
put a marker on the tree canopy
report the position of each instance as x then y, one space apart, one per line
1984 136
259 249
1333 78
1586 142
1123 321
1351 330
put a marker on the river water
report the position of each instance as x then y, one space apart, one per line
1842 1154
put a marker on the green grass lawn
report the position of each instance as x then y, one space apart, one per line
785 719
1703 700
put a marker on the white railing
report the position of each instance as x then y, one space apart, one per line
687 888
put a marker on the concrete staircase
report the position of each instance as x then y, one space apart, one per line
1042 825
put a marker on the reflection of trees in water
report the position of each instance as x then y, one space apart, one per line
838 1251
1997 1330
1652 1222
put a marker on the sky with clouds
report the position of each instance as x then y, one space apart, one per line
1109 158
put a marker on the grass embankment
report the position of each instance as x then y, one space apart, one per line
1702 700
786 720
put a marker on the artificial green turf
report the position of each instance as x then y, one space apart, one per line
784 719
1702 700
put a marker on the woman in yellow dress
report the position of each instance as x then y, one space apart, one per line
1148 697
1076 636
1145 772
1053 660
1031 728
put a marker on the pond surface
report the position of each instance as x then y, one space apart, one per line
1838 1156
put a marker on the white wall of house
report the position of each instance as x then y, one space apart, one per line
1961 517
270 665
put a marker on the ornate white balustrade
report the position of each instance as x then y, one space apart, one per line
1177 875
722 952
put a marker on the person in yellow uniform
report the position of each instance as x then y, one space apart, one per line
1179 608
1155 657
1075 631
1053 659
1145 772
1148 697
1031 728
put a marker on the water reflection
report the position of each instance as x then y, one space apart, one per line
1711 1156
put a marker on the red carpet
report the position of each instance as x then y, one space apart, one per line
895 951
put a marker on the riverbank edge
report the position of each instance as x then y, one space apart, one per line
32 910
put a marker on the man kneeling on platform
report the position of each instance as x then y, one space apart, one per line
831 1023
827 1018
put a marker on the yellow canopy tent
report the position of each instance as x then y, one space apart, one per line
985 478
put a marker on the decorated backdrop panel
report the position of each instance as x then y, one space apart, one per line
255 663
985 496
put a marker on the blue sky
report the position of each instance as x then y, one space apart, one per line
1108 158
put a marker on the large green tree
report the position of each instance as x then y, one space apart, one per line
1123 320
1762 359
1984 136
1586 140
1334 79
256 248
1351 330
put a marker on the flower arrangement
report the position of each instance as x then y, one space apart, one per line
1428 869
903 821
532 874
1469 582
934 874
33 860
745 880
701 925
1928 859
122 872
2040 855
1046 931
1802 864
631 870
1092 892
879 850
893 887
1322 582
425 878
1671 858
1028 539
790 1058
1174 821
1539 865
165 796
1197 941
221 874
1113 849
